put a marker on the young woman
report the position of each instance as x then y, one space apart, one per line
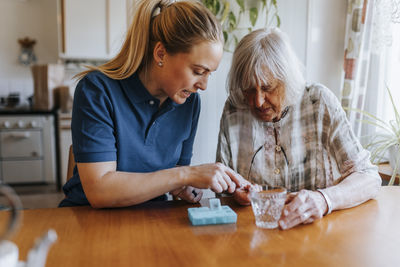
134 118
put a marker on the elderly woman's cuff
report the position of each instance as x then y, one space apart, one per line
327 200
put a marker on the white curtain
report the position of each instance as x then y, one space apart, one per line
368 47
356 57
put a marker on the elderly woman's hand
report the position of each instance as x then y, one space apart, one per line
188 193
303 207
242 194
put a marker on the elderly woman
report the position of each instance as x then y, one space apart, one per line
278 131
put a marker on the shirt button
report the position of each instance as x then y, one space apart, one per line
277 171
151 102
278 148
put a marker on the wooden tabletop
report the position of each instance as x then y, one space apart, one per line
160 234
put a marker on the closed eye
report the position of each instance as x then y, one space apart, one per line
267 88
202 73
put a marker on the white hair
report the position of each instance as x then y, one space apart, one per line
262 52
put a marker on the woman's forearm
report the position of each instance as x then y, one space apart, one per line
119 189
355 189
105 187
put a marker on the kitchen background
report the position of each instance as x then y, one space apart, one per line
70 33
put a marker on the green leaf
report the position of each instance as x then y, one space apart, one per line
253 16
264 2
370 116
396 112
376 123
278 21
274 2
232 21
225 12
396 168
212 5
217 7
241 4
225 36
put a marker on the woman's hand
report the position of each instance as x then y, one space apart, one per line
242 195
188 193
215 176
303 207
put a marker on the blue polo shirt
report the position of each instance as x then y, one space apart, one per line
119 120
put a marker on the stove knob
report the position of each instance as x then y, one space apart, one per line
20 124
6 124
33 124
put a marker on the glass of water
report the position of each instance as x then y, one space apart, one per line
267 205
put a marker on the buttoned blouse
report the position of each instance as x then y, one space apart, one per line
312 146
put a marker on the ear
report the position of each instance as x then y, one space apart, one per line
159 52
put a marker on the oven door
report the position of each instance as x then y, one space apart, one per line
22 156
21 144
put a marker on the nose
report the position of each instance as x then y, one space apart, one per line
259 98
202 83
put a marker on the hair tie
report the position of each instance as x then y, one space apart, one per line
156 11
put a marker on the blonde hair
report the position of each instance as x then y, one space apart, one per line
177 25
258 53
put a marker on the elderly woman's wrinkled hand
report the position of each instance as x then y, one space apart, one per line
303 207
242 194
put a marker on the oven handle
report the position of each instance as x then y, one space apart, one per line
22 135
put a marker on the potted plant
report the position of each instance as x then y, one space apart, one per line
239 17
387 140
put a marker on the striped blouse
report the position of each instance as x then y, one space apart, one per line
312 146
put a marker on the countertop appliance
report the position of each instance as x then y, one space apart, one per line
27 148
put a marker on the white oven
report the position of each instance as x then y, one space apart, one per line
27 148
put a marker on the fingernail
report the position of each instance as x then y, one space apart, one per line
285 212
282 224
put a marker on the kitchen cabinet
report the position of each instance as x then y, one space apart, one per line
92 29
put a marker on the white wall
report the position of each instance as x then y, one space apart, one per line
36 19
327 27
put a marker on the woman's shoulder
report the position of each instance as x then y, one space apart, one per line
97 77
234 115
320 94
96 81
230 109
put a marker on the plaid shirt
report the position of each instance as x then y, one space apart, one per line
312 146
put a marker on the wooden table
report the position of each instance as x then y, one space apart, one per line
160 234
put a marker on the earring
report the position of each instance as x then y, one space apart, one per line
160 64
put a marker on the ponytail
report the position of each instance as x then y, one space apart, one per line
177 25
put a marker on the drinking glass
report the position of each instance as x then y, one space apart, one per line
267 205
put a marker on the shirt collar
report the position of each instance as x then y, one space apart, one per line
281 120
138 93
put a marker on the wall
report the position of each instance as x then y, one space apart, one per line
18 19
325 51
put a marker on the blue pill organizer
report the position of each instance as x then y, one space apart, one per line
215 214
